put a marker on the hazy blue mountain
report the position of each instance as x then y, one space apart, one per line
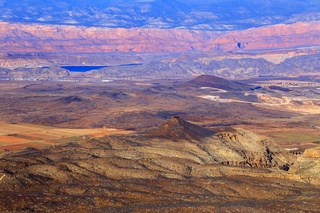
218 15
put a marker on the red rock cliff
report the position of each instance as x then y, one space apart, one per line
53 38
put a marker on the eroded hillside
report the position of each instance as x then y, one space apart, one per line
190 169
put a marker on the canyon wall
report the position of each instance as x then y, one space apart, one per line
20 38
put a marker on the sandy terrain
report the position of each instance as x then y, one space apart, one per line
17 136
48 113
307 106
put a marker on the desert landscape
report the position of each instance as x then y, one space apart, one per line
159 106
135 143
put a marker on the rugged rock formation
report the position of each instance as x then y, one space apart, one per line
147 170
307 166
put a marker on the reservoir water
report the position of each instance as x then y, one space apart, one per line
89 68
82 68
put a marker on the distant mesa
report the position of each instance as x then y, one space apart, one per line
215 82
177 128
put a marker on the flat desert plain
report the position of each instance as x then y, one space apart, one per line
17 136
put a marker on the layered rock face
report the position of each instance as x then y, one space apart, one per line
307 166
54 38
235 147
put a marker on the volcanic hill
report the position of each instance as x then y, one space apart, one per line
178 129
215 82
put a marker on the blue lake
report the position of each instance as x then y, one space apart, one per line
82 68
89 68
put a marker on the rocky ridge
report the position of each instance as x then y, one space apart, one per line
175 139
144 171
